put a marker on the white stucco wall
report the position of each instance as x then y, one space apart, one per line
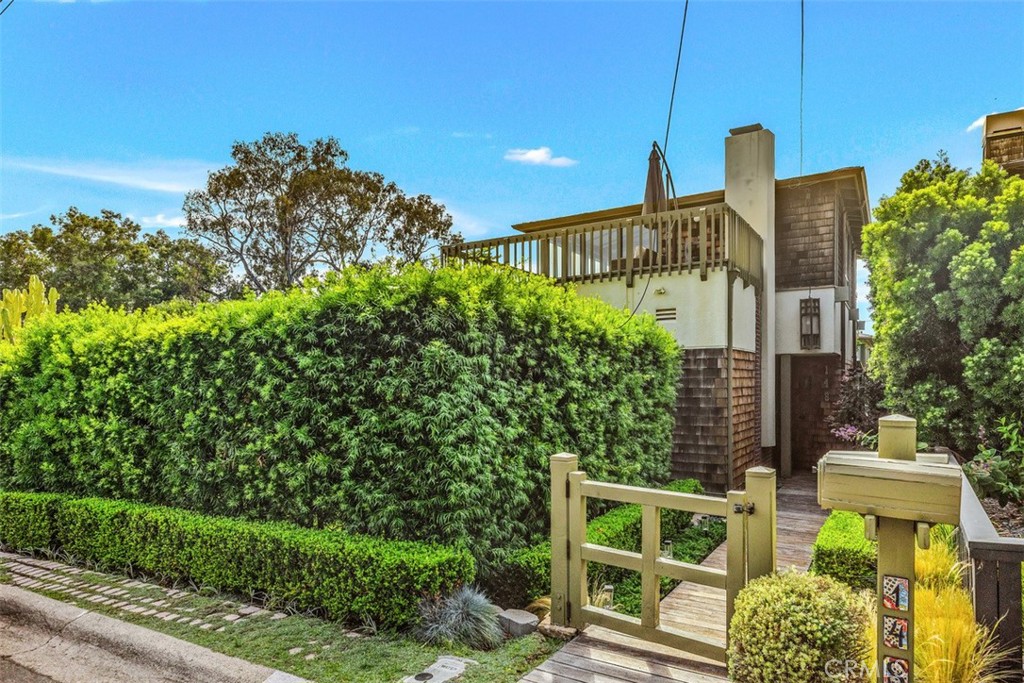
744 330
787 321
701 306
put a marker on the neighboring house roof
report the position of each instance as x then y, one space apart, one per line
852 182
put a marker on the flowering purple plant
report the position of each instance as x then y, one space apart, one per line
847 433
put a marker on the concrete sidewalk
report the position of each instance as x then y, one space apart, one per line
43 639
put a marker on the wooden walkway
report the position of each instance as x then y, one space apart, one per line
599 655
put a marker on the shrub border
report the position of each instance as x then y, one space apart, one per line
342 576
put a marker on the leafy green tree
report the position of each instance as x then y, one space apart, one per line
108 258
946 262
285 210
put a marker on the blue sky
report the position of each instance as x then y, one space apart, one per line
504 111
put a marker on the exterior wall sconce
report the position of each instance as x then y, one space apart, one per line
810 324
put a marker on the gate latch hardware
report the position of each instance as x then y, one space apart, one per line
740 508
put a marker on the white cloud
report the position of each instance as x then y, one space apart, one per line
461 134
162 221
20 214
171 176
541 156
980 121
471 227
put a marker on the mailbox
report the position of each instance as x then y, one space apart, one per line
901 494
923 490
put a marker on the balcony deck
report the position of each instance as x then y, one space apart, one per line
701 240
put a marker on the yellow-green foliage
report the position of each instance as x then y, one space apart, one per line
842 552
949 646
787 627
18 306
418 405
946 262
343 576
939 567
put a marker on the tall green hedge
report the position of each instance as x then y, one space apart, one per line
946 262
416 405
343 576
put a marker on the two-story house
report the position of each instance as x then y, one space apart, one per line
756 281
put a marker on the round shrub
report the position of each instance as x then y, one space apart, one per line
789 627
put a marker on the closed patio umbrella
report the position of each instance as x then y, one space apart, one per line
655 199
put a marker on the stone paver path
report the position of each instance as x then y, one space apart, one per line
124 594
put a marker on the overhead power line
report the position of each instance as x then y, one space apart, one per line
671 186
675 78
802 33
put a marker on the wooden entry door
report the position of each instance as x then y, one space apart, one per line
813 385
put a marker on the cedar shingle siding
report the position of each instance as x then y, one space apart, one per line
700 441
1007 151
700 444
746 415
805 224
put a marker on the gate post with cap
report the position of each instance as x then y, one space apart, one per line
561 465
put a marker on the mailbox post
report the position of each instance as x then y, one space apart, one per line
901 494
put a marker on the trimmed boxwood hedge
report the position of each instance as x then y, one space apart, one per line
417 405
342 576
842 552
526 575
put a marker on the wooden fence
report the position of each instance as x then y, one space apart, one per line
751 551
993 575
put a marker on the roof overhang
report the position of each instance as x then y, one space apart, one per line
851 181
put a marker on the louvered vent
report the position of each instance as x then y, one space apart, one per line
665 314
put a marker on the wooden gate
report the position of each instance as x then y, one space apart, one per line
751 550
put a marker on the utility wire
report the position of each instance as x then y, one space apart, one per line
6 8
661 155
802 33
675 78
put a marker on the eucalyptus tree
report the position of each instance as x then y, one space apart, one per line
285 210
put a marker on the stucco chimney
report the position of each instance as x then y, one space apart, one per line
750 190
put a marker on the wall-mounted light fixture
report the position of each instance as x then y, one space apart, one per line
810 324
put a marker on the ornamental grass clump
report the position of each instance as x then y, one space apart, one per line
938 566
949 645
466 616
798 628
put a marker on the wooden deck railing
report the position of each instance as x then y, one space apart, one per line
700 239
993 574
